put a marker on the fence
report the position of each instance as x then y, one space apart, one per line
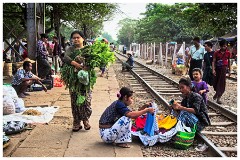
161 54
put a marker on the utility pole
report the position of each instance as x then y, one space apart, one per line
31 29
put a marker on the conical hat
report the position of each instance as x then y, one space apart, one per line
28 59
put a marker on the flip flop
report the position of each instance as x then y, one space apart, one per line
122 145
76 128
86 125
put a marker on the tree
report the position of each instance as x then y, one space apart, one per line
183 21
87 17
127 31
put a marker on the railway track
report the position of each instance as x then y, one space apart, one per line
220 137
232 78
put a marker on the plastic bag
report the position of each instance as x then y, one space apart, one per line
19 105
8 105
83 77
9 91
13 127
184 139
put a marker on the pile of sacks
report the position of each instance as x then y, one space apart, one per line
11 103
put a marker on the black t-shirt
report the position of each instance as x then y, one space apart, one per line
208 56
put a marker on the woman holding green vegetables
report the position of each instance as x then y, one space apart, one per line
80 92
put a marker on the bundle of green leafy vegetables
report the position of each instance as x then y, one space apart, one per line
96 55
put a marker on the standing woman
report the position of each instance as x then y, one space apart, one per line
196 56
80 112
221 59
207 64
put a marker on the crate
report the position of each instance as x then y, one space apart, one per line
48 83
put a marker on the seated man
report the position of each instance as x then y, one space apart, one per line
24 78
129 63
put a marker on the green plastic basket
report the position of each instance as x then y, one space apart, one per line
183 146
183 140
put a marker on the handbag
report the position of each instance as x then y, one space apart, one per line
219 62
183 140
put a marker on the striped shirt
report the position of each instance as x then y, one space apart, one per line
41 50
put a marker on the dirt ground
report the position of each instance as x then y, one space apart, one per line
56 139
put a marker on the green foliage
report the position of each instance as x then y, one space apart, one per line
103 51
88 17
13 17
95 55
180 22
127 32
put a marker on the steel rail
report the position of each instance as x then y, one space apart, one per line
226 112
213 150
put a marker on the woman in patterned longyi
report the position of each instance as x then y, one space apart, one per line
80 112
115 122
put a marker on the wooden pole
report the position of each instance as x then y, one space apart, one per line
160 55
147 51
150 52
184 56
154 53
166 54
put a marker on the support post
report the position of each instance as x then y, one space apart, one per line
31 29
184 56
160 55
147 51
154 53
166 54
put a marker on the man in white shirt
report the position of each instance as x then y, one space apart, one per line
196 55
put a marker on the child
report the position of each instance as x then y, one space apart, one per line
200 86
115 122
192 109
180 60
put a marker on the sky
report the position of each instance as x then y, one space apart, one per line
131 10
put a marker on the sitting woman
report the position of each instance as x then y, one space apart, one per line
192 109
115 122
128 65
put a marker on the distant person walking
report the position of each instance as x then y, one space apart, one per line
196 55
44 67
124 50
207 64
56 53
221 59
